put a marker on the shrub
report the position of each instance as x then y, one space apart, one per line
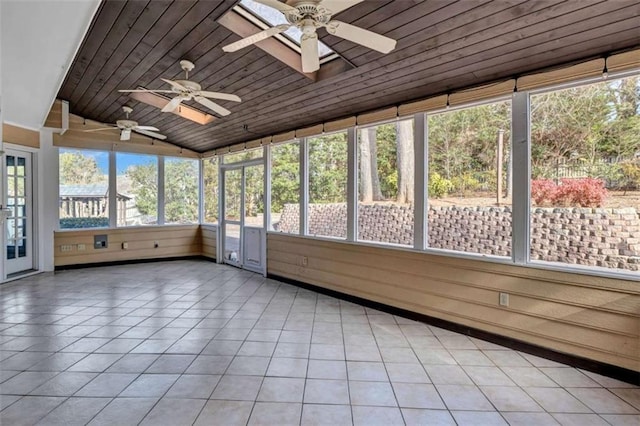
587 192
439 186
543 191
630 172
465 184
84 222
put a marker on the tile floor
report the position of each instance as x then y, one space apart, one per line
192 342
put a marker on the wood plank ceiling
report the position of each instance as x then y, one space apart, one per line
443 45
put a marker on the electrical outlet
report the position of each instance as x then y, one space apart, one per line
504 299
305 260
81 247
66 247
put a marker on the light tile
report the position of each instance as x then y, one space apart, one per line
224 413
602 401
64 384
372 393
419 417
318 391
287 367
556 400
327 369
30 409
447 375
478 418
124 412
415 395
510 398
377 416
241 388
171 412
150 385
275 413
528 419
75 411
193 386
323 415
249 366
464 397
407 373
566 419
281 389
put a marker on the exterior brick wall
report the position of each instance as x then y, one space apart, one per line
584 236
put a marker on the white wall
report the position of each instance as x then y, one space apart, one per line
47 199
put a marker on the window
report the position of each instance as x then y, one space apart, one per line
386 183
137 180
181 190
327 209
585 183
211 195
249 154
285 188
268 17
469 180
84 189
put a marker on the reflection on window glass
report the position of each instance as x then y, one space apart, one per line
585 183
469 183
327 210
285 187
211 196
84 189
386 183
181 190
137 186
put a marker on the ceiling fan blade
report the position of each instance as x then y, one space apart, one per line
175 84
212 105
173 104
144 91
248 41
282 7
309 47
153 129
100 129
361 36
336 6
153 135
125 135
217 95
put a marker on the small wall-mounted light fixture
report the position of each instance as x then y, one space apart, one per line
605 70
515 87
448 105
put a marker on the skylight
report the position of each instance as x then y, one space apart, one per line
266 17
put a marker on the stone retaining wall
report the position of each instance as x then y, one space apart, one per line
584 236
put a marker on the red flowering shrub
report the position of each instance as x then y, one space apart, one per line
543 191
586 192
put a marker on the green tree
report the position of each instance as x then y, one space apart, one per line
77 168
144 186
181 193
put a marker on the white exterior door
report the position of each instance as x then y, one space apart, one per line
19 223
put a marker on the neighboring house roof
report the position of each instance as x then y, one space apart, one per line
93 190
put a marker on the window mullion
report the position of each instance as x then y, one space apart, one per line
160 190
113 191
521 152
352 185
421 206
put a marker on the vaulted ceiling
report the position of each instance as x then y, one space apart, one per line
443 45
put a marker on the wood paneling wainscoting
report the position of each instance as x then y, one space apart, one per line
173 241
209 238
579 315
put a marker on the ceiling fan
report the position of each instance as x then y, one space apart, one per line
308 16
186 90
126 126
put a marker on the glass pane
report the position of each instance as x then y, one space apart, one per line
385 183
137 189
21 187
253 196
22 248
285 188
181 190
11 186
469 181
327 208
232 243
232 194
585 175
84 189
250 154
11 228
11 249
21 166
210 179
11 162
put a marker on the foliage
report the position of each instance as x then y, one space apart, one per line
77 168
587 192
181 192
211 196
144 187
439 186
630 172
285 175
465 183
328 168
84 222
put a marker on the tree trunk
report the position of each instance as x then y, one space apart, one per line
366 183
373 151
406 165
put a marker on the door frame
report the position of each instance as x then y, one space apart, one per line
222 169
35 258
